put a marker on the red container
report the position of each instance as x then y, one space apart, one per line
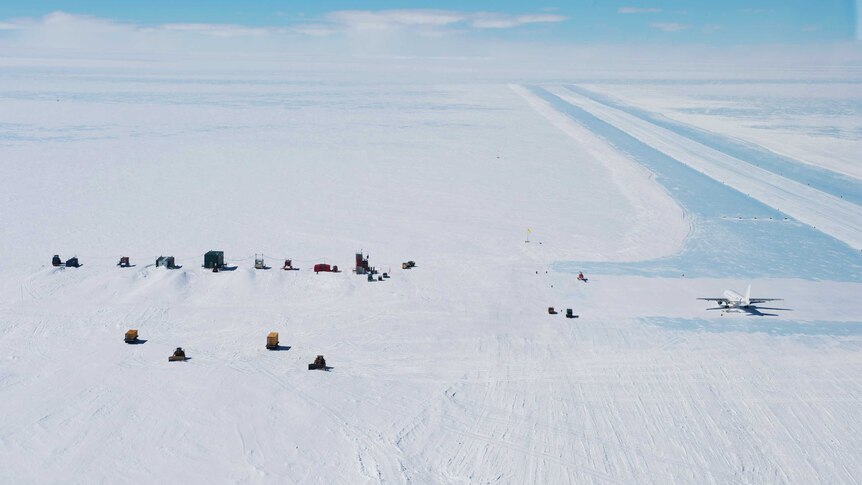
322 267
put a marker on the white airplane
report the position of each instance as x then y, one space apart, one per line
734 301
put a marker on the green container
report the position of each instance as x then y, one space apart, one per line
214 259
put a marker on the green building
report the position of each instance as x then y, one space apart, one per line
214 259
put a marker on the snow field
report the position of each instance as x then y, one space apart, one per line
449 373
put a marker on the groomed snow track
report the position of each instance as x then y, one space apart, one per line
829 214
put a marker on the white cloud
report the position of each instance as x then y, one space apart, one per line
668 26
433 19
64 20
502 21
315 30
69 34
60 28
493 21
388 19
350 32
217 30
631 10
539 18
67 31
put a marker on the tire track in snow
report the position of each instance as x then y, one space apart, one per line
529 451
494 421
252 453
386 463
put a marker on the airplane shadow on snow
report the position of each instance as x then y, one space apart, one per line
753 311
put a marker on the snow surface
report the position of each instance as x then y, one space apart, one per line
452 372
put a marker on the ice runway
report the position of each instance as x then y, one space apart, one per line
830 214
830 182
733 234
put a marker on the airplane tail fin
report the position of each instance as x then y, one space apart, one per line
748 295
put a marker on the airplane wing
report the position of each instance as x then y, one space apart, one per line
764 300
719 300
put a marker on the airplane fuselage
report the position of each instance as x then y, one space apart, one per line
734 299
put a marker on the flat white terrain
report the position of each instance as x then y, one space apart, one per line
451 372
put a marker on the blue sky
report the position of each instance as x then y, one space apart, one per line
587 21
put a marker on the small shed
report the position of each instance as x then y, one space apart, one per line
214 259
166 262
272 341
